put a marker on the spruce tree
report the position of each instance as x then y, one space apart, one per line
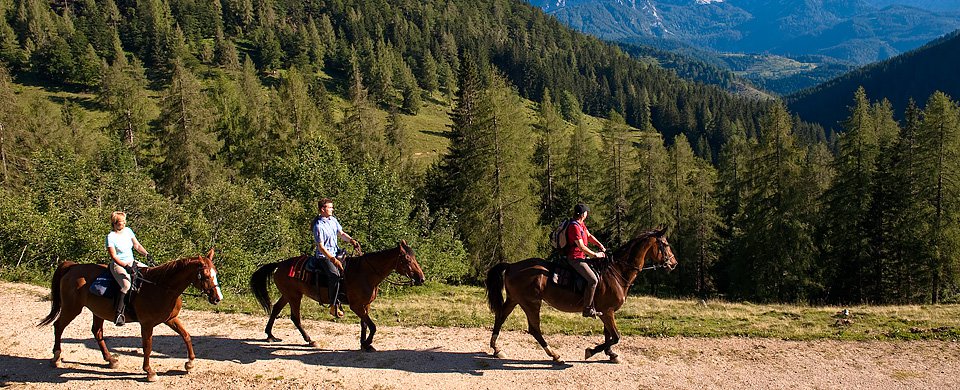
187 143
939 156
849 202
550 128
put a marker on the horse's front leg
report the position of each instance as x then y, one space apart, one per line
177 326
146 334
97 330
611 337
366 342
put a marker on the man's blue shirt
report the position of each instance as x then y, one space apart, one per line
326 231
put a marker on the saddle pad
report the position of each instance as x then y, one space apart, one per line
104 285
299 269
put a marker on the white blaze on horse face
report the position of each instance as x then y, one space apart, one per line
216 282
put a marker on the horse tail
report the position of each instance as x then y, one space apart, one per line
55 300
494 285
258 283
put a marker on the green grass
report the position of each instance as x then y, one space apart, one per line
465 306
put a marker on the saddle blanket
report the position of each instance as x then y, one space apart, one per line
104 285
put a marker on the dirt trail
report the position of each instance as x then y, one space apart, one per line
230 354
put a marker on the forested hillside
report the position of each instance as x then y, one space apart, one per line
910 76
467 128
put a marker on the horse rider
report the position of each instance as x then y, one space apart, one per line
580 237
120 243
326 231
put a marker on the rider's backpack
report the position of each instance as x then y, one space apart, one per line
558 237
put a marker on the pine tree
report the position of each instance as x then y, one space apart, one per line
939 156
362 136
682 166
123 93
650 205
497 207
774 212
849 202
187 143
614 187
550 128
297 113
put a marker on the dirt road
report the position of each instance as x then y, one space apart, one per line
231 354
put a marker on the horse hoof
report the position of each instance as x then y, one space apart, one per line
558 360
273 339
188 365
152 377
588 353
368 348
55 363
499 355
615 360
113 363
314 344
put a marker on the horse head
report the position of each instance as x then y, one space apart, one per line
207 281
664 253
408 266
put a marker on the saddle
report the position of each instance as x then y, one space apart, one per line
564 276
305 270
106 286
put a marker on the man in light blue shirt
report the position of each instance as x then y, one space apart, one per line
326 232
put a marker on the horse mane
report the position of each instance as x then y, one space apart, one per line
377 253
163 271
627 251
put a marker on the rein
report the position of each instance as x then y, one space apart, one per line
397 261
139 276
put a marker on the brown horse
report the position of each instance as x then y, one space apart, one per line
526 285
362 277
157 302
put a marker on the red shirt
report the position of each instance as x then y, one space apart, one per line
576 231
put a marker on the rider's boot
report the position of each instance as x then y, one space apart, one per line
588 310
120 306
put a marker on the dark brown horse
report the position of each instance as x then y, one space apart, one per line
157 302
362 277
526 285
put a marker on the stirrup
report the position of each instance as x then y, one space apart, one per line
121 320
590 312
335 311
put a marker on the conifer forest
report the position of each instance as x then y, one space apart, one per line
469 129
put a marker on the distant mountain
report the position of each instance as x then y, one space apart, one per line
841 32
916 74
856 31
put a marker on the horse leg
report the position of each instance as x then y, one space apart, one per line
97 330
146 334
501 317
58 326
277 308
366 342
295 317
177 326
533 327
611 337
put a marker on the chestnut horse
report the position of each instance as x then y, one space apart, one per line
362 277
526 285
157 302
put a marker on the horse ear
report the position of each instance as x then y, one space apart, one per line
403 245
662 231
210 255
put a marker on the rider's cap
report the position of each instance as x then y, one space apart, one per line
580 208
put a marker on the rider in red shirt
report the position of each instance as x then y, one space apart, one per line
578 237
